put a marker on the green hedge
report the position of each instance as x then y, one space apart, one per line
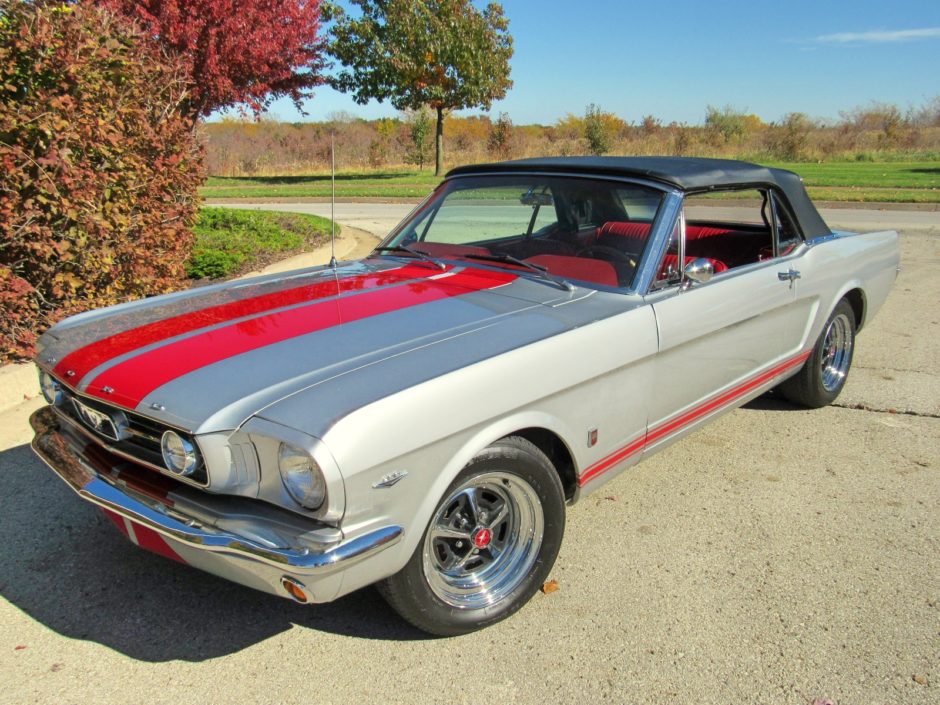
230 241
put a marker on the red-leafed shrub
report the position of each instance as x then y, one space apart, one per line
98 171
18 311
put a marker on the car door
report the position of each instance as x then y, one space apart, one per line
722 339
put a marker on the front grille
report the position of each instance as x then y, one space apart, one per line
127 433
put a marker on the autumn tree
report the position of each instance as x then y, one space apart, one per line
444 54
727 124
598 130
419 125
788 140
499 141
650 124
237 52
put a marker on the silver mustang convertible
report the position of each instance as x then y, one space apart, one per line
422 419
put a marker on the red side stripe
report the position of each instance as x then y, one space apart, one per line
673 426
135 378
117 520
82 361
152 541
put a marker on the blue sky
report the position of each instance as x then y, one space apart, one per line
672 59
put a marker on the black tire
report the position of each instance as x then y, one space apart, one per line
825 372
510 562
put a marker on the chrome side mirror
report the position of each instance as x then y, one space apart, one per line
699 270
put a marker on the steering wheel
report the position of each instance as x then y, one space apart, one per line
615 257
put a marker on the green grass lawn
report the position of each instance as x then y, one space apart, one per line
899 182
909 175
231 241
383 184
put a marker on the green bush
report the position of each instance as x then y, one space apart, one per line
98 172
230 241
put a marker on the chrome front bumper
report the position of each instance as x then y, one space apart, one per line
254 560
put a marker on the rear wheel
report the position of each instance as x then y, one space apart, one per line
491 543
823 376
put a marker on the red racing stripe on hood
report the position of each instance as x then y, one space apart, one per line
132 380
83 360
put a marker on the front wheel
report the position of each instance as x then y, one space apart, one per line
823 376
491 543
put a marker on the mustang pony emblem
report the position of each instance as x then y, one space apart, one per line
100 422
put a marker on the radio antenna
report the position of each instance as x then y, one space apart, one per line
332 204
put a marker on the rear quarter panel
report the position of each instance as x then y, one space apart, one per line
833 266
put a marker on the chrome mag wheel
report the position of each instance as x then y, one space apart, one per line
483 540
836 352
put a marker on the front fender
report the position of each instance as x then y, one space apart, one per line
479 440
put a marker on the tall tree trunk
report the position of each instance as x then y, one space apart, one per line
439 152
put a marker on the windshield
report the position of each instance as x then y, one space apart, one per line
586 230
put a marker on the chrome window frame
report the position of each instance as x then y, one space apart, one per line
775 198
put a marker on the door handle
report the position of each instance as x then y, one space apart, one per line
789 276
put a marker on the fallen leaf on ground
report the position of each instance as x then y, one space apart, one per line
549 586
19 647
920 680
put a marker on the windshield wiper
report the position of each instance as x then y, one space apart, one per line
540 271
421 254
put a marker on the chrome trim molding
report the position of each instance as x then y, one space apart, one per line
390 480
834 235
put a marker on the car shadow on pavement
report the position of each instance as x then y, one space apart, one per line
772 401
67 567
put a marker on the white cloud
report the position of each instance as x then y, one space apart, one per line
879 37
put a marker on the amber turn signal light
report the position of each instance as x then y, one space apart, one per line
295 589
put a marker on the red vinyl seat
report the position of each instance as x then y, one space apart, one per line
583 268
629 230
694 232
733 247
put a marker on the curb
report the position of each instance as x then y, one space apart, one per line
18 383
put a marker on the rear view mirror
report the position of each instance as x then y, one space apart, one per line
530 198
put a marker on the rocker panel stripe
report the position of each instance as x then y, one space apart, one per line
668 428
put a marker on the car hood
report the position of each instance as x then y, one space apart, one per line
208 359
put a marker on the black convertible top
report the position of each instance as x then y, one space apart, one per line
691 174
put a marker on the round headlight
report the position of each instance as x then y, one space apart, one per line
179 454
301 476
51 390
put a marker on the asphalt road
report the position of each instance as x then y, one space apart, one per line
778 556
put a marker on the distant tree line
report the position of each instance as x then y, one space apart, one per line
240 147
